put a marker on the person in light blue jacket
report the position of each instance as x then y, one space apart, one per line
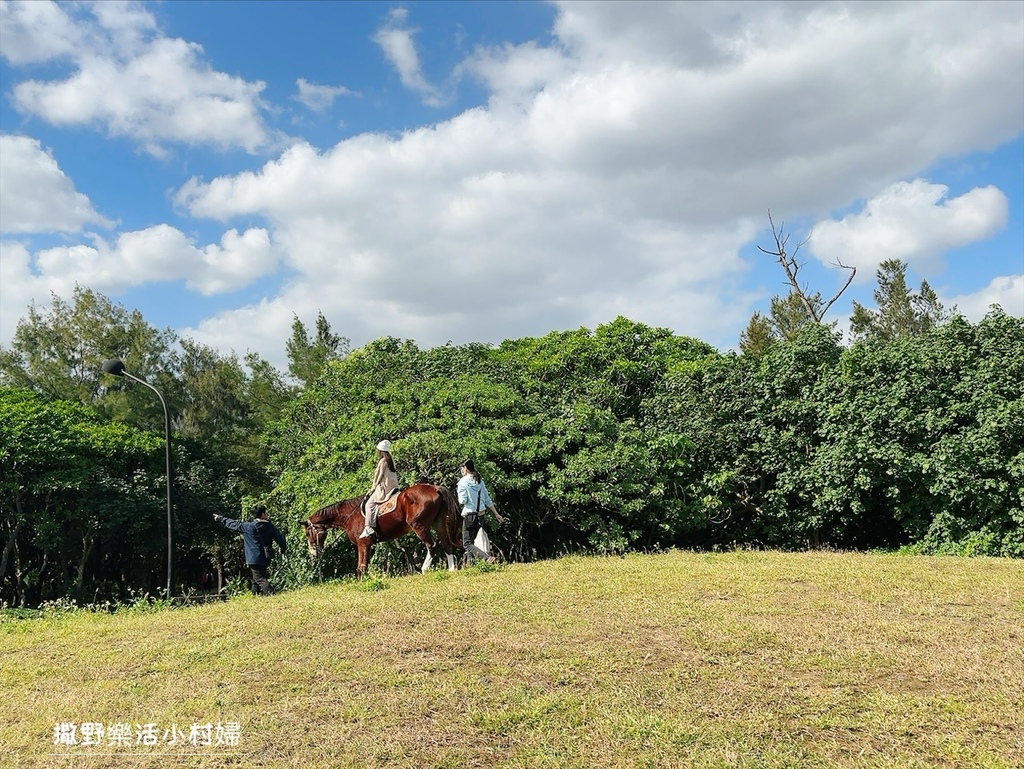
473 496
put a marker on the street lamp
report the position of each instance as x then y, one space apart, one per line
116 367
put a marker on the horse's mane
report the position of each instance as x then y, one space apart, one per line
332 511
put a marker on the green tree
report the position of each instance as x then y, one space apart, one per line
218 408
70 481
602 475
268 393
556 424
758 336
753 427
926 439
223 410
788 315
900 311
307 358
60 353
211 395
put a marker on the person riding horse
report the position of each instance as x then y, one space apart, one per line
385 482
418 508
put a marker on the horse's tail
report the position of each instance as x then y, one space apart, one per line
451 515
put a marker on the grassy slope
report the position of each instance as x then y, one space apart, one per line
679 659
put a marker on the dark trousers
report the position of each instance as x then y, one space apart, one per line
260 583
470 527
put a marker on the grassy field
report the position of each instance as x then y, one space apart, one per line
672 660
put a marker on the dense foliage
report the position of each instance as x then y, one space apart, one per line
82 453
631 437
621 437
556 425
914 441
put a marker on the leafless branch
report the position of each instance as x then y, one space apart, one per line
791 267
846 285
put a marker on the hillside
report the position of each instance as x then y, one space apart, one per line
676 659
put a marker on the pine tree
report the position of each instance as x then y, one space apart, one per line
900 311
307 358
758 336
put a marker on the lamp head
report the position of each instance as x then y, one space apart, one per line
113 366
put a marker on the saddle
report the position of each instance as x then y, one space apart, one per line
385 507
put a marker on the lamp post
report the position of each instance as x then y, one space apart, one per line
116 368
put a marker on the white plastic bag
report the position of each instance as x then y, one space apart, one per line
482 541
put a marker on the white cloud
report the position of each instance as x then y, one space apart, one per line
249 328
395 40
514 74
318 97
35 195
126 25
618 170
19 287
909 221
401 238
153 255
131 80
36 31
1007 291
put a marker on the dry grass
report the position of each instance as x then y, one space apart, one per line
678 660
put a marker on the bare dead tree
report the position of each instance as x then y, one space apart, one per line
792 268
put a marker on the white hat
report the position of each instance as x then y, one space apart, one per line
384 446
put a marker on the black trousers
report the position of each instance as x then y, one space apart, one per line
470 527
260 582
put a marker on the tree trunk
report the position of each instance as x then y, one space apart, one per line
10 545
62 554
87 545
37 589
19 513
19 591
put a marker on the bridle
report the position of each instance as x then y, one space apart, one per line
320 531
319 537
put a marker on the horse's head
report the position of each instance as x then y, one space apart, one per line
316 535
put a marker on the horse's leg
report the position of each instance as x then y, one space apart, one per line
446 543
444 535
423 533
406 558
363 560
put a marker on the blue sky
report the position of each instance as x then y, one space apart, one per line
477 171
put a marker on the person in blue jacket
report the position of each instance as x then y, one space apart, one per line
258 536
473 496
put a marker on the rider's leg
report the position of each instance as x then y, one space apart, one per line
371 520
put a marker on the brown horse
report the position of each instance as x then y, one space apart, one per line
419 508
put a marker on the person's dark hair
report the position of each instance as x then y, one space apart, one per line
259 511
468 464
391 460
